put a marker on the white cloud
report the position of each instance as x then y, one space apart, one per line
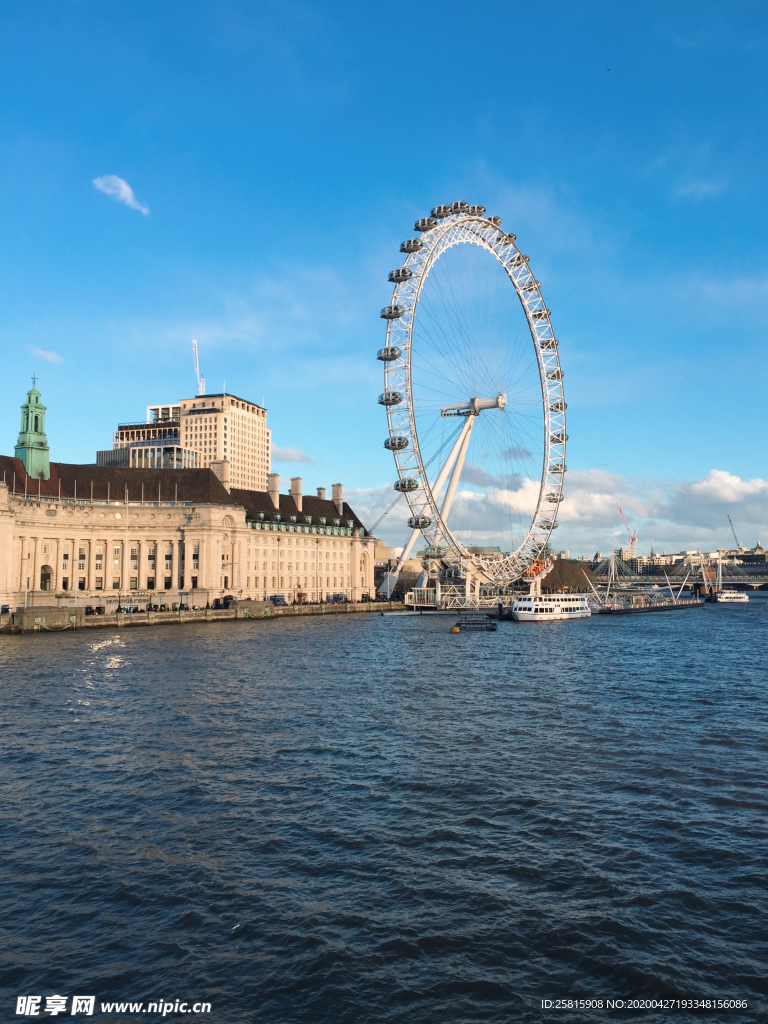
675 515
699 189
119 190
291 455
49 357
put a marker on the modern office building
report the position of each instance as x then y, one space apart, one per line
198 433
153 444
224 426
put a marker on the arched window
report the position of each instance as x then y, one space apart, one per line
46 572
37 424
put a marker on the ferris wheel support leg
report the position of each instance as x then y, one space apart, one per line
390 580
443 474
454 481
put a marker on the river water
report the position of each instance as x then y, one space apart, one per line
359 818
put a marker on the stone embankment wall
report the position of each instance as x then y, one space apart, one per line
54 620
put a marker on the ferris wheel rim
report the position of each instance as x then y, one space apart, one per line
441 234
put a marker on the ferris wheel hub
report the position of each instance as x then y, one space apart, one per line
474 406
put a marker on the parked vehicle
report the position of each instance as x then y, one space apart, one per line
5 609
278 600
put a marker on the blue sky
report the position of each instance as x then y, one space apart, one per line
283 151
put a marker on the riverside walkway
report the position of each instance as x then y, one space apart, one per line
55 620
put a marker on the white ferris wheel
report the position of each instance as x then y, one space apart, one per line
473 391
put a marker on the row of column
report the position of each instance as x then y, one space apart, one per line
210 572
32 558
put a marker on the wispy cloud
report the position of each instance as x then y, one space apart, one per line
119 190
49 357
291 455
699 189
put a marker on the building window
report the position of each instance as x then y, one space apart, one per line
65 584
226 582
194 582
99 583
115 582
150 582
167 582
134 584
81 583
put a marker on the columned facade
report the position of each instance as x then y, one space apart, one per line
120 550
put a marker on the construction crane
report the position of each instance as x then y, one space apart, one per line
738 546
632 535
200 380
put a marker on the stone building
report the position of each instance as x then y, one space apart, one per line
112 536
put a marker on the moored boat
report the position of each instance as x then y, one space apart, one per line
550 607
726 596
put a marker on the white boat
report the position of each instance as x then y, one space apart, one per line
728 596
548 607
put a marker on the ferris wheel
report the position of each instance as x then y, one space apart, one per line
473 392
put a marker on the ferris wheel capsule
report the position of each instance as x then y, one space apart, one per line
411 245
496 221
419 522
389 353
406 484
460 207
476 211
390 398
396 444
425 224
392 312
439 212
399 275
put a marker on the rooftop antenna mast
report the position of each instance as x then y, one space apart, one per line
200 380
632 535
738 546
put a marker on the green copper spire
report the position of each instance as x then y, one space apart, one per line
32 445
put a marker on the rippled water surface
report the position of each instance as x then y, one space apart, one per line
360 818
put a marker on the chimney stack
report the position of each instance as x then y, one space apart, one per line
221 470
296 491
338 501
321 493
273 489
